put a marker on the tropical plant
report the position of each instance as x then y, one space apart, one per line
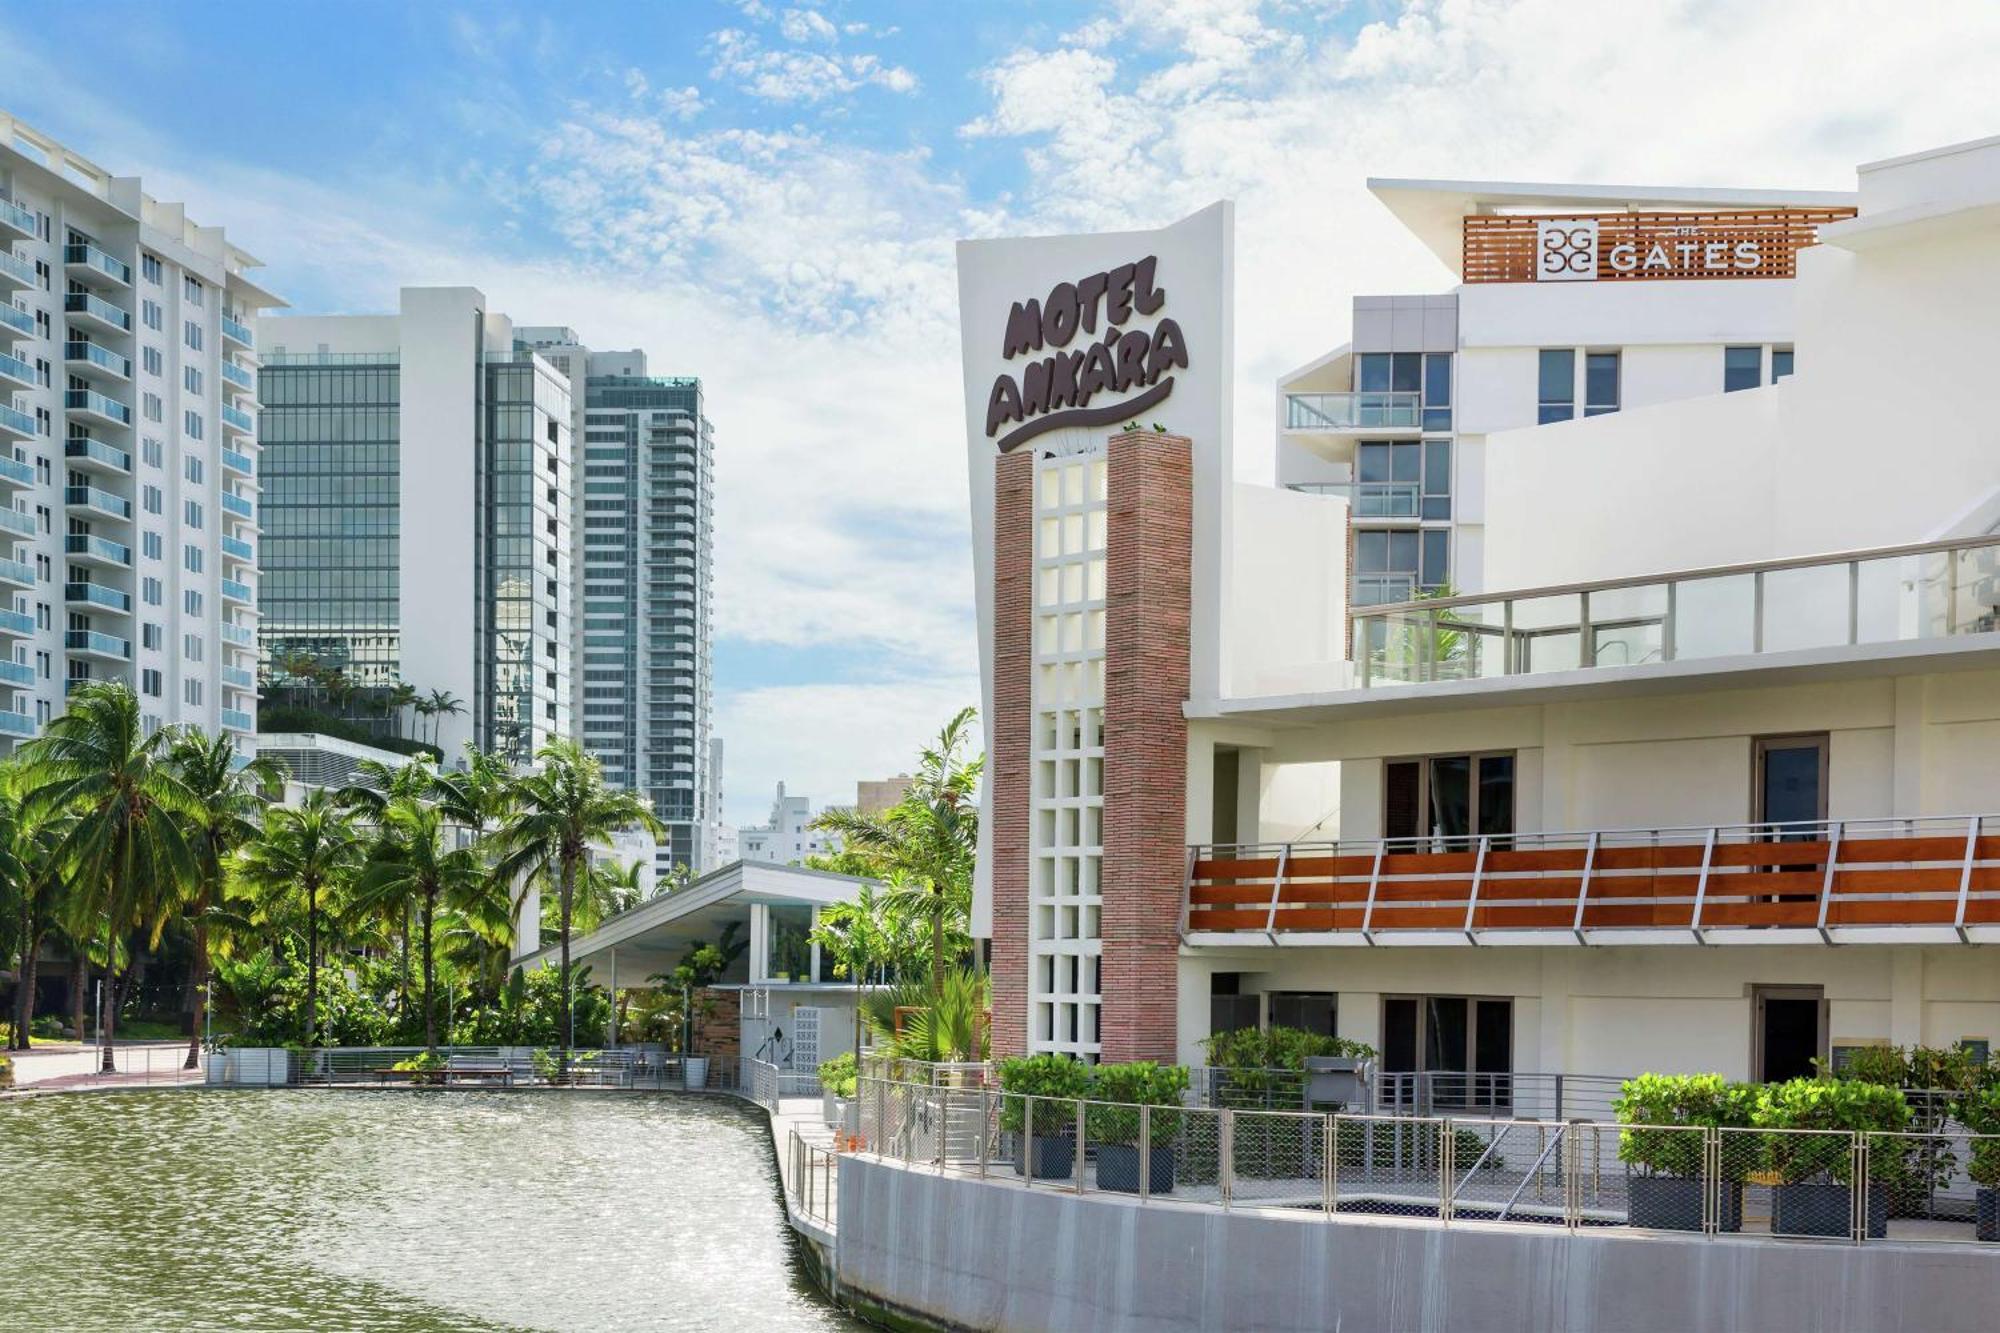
840 1075
410 868
852 932
1823 1104
309 855
443 704
606 888
557 813
126 852
32 887
1672 1112
1117 1091
1979 1112
528 1011
1057 1082
925 844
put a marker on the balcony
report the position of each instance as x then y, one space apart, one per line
15 371
17 623
16 321
16 270
90 500
92 643
239 678
236 419
95 267
89 550
239 636
91 406
95 312
238 463
18 219
86 596
18 522
240 378
239 507
236 719
99 363
235 548
96 456
1386 411
233 591
239 333
17 573
16 424
13 472
1902 594
16 724
1838 882
18 674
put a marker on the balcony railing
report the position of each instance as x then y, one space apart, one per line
237 592
18 371
98 405
239 506
101 645
19 522
1370 499
1920 879
238 463
84 593
18 623
238 549
238 332
1353 411
86 547
100 502
17 216
16 724
1900 594
16 673
237 419
239 377
17 319
239 636
13 472
241 678
96 263
85 452
14 421
103 358
20 270
84 305
237 719
17 572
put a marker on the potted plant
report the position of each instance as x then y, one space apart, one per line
1979 1112
1668 1116
1814 1193
1111 1123
837 1083
1056 1083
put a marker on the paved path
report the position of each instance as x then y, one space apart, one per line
139 1064
806 1117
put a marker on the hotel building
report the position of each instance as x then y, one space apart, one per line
1699 778
645 503
416 511
129 369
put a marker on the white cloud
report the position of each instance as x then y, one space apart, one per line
800 76
806 25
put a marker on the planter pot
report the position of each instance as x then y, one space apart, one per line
1673 1203
1821 1208
1118 1168
695 1070
1055 1158
1986 1214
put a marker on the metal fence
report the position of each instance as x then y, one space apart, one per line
1427 1093
133 1066
813 1178
1806 1184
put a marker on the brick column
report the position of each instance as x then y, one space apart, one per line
1008 733
1150 534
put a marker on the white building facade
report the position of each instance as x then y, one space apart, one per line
789 838
130 370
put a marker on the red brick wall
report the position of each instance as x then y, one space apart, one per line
1150 541
1008 733
718 1024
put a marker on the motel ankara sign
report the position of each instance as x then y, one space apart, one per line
1055 391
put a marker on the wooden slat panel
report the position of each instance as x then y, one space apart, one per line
1907 912
1218 919
1939 880
1770 853
1429 863
1330 865
1549 858
1418 918
1209 895
1867 851
1760 914
1424 891
1764 884
1242 868
1501 248
1320 918
1670 857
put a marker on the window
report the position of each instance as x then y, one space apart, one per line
191 469
1437 391
191 559
1742 368
1781 363
150 358
191 334
191 291
152 452
191 425
191 379
149 542
1393 564
152 408
1397 372
150 591
150 499
1451 800
1404 479
152 316
151 636
191 514
150 268
150 681
1556 397
191 605
1600 383
191 691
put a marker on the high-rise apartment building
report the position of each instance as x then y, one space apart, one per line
127 361
645 503
417 512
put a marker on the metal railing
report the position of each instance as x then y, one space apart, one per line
1369 499
813 1178
1895 594
1838 1185
1430 1092
1372 410
1825 880
145 1066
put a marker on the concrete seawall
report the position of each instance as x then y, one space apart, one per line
966 1253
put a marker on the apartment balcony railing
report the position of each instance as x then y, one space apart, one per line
91 405
19 218
1370 499
236 419
19 522
17 623
19 321
90 264
92 643
1899 594
239 377
98 311
240 678
16 423
17 573
91 500
233 591
237 719
17 270
239 333
239 506
97 597
90 454
238 549
1381 589
16 724
1347 412
238 463
97 550
239 636
18 674
13 472
17 372
1841 881
100 362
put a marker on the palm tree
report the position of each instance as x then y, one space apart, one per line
560 810
606 889
926 842
410 869
443 704
231 798
401 695
312 850
31 885
853 932
127 852
423 709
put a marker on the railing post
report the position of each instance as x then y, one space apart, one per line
1028 1138
1277 887
1447 1169
1472 898
1145 1152
1669 622
1858 1172
1076 1157
1583 886
1559 1097
1965 878
1225 1167
1586 637
1757 612
1853 602
881 1115
942 1138
1701 885
1826 885
1357 633
985 1120
1187 890
1374 882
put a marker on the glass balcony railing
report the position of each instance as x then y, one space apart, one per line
95 641
16 724
17 319
238 462
17 216
86 256
16 673
237 419
240 506
17 572
238 549
14 472
236 719
242 678
96 307
238 332
17 370
97 404
84 451
83 545
1902 594
102 357
20 523
1385 410
240 636
239 377
19 269
16 422
96 594
237 592
18 623
104 502
1370 499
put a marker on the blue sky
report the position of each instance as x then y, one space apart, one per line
766 194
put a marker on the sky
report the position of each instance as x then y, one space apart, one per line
766 195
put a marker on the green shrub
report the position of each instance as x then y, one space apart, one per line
1052 1076
1125 1088
47 1026
1979 1112
1277 1048
1824 1104
1660 1101
838 1075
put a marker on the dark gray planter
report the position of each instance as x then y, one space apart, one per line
1118 1168
1055 1158
1822 1208
1986 1213
1673 1203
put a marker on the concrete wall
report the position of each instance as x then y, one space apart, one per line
1288 592
971 1254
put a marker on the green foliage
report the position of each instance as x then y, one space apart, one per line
48 1027
1823 1104
1277 1047
292 718
839 1075
267 995
948 1028
528 1012
1661 1101
1047 1075
1979 1112
1118 1090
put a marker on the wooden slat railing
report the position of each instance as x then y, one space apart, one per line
1933 872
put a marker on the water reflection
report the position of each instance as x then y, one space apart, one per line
394 1210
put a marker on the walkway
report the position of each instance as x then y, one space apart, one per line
810 1203
54 1069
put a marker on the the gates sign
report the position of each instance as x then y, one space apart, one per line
1610 247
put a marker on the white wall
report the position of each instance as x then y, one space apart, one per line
1288 592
